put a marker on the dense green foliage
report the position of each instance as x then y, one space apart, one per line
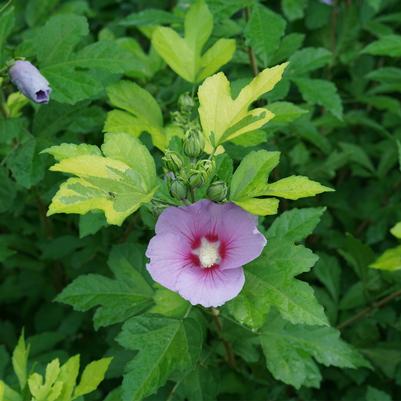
312 147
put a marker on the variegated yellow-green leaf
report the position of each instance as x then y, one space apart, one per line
295 187
396 230
139 112
184 54
117 183
92 376
50 389
8 394
389 260
260 207
68 376
227 118
250 183
20 361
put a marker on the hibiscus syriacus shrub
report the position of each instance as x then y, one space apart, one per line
197 236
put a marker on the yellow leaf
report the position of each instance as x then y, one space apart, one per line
228 118
396 230
260 207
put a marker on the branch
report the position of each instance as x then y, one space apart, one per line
364 312
251 53
230 356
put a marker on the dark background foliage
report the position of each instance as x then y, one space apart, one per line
347 140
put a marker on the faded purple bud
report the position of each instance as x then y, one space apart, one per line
27 78
328 2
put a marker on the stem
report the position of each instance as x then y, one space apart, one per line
251 53
3 108
364 312
192 194
230 356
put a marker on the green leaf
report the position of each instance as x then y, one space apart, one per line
357 154
169 303
117 183
7 21
149 17
145 113
184 54
25 164
373 394
91 223
119 298
285 112
20 361
321 92
396 230
8 393
292 351
296 224
92 376
387 45
251 176
295 187
7 190
38 10
56 40
328 271
308 59
293 9
165 346
389 260
54 45
198 25
270 282
264 31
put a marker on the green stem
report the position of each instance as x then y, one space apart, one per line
230 356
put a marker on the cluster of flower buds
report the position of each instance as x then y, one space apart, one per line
188 171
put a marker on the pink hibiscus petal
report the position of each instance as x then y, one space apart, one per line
198 250
188 220
168 257
210 288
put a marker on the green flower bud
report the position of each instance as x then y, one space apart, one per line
178 190
206 167
196 179
193 143
217 191
173 161
185 102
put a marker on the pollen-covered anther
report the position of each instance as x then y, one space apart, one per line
208 253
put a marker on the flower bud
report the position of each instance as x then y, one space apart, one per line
206 167
196 179
193 143
217 191
27 78
185 102
173 161
178 190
